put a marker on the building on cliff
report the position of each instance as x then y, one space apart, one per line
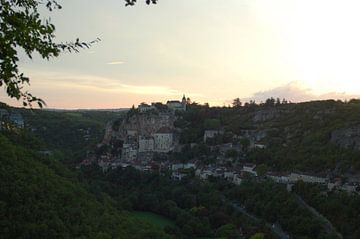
177 105
146 144
163 140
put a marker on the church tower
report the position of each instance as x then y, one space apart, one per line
183 102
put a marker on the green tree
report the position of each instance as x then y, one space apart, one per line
261 170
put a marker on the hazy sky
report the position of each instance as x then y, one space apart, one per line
211 50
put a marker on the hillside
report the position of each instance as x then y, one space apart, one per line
312 136
40 198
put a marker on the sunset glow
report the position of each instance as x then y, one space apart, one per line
210 50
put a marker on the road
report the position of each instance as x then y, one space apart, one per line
327 224
274 228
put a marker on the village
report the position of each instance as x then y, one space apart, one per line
147 139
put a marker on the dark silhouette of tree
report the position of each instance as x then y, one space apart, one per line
132 2
22 28
237 103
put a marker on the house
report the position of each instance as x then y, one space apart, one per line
176 105
163 140
228 175
177 166
104 165
210 134
259 146
205 174
294 177
129 152
189 165
350 187
250 168
146 144
278 178
237 179
131 132
178 175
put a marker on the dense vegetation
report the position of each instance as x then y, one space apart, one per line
40 198
72 133
342 209
198 208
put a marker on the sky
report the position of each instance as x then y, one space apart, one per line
210 50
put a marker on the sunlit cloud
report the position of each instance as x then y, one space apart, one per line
115 63
98 83
297 91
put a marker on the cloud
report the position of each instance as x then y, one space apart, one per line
100 84
295 91
115 63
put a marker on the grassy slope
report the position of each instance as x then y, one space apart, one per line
153 218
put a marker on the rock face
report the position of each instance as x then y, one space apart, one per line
265 115
143 125
347 138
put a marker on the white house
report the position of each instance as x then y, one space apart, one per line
163 140
294 177
279 178
146 144
228 175
259 146
250 168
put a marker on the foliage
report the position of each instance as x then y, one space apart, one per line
274 204
341 208
39 198
22 28
197 208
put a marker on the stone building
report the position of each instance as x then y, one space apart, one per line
177 105
146 144
163 140
143 107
